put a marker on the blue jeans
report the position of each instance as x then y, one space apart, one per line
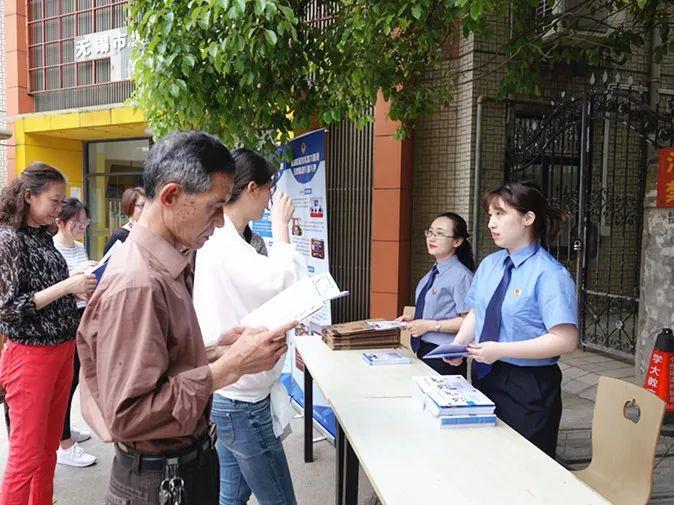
251 457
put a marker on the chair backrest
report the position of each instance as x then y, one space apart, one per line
405 335
625 430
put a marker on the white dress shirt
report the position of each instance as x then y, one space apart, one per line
230 280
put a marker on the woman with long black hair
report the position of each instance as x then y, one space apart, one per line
441 294
523 315
232 279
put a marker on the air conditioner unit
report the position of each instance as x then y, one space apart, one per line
576 22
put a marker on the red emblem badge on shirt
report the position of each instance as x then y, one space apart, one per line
517 292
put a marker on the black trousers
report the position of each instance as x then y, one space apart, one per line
65 435
130 484
528 399
437 364
7 418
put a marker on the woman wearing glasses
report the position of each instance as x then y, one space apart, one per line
440 304
231 279
133 202
72 222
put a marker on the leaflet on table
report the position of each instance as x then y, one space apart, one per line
445 395
295 303
385 358
384 325
447 351
100 267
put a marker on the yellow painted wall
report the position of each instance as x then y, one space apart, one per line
64 154
58 139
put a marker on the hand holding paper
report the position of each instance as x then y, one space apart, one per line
255 350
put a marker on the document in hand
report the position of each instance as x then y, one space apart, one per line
447 351
100 267
296 302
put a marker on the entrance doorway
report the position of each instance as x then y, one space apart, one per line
110 168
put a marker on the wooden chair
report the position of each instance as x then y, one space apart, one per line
405 336
626 426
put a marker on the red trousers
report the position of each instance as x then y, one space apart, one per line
37 380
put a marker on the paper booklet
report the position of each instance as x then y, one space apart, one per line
100 267
447 351
296 302
385 358
384 325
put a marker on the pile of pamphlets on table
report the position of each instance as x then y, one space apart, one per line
386 358
367 334
453 401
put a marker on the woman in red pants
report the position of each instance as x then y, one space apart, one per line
39 319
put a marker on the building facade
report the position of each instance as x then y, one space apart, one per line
67 87
3 104
65 102
617 244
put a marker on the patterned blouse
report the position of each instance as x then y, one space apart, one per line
29 263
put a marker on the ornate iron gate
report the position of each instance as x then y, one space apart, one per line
589 154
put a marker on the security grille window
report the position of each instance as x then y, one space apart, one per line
546 153
53 26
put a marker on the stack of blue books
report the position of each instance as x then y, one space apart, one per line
453 401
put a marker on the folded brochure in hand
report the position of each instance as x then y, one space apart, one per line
447 351
99 269
295 303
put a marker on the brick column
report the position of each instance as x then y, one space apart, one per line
391 217
16 63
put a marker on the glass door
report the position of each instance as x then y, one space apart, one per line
111 167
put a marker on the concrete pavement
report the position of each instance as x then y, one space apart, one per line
314 482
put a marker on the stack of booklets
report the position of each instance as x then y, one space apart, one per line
453 401
367 334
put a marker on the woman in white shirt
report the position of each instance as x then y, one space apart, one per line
72 223
231 279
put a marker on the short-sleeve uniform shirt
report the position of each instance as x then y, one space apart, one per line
541 295
447 297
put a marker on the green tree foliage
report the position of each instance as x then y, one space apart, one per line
253 71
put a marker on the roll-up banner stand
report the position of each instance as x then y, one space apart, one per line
303 179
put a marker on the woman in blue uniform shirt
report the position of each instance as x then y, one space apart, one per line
523 315
441 294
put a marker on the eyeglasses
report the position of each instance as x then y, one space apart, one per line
272 191
82 224
432 234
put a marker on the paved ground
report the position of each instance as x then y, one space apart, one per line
314 482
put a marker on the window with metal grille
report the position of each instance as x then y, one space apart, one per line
52 28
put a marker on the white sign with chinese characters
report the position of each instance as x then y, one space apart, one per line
95 46
113 44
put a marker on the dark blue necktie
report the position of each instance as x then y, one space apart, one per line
492 318
421 302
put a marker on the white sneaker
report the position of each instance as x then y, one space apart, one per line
74 456
80 435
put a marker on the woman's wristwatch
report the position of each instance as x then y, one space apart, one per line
437 325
